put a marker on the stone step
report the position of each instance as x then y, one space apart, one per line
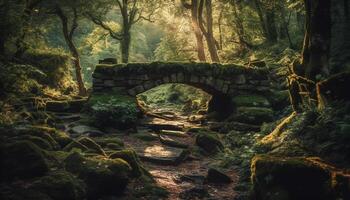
180 134
172 142
161 126
162 155
67 116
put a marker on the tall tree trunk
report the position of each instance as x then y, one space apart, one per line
325 62
125 46
317 38
68 36
267 21
197 31
271 26
208 32
261 16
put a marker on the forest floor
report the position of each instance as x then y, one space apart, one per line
171 156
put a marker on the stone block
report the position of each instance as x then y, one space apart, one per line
240 79
173 78
180 77
109 83
194 79
166 79
149 85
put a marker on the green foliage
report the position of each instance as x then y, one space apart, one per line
176 97
113 111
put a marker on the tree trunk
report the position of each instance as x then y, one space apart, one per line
271 26
326 51
208 32
197 31
317 38
73 50
261 16
125 46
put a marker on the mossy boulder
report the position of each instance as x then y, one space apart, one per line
104 177
91 145
209 142
57 137
75 145
40 142
250 100
297 178
253 115
61 185
22 159
131 157
107 140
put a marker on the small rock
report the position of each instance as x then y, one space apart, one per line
216 176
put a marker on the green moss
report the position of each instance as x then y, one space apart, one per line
254 115
250 100
302 178
102 176
109 139
40 142
131 157
58 136
116 111
61 185
91 145
209 141
22 159
75 145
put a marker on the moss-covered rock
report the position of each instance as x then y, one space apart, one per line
91 145
75 145
109 139
103 176
250 100
296 178
58 136
209 142
22 159
131 157
40 142
254 115
61 185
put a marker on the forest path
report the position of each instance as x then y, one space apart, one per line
169 158
168 152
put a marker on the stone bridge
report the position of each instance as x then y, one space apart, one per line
222 81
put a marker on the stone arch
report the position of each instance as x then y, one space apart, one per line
221 81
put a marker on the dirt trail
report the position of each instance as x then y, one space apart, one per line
186 179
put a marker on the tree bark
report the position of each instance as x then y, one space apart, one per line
208 31
68 36
317 38
195 26
197 31
271 26
125 46
267 20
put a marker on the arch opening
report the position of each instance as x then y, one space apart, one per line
192 101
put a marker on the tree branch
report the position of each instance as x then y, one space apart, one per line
97 21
